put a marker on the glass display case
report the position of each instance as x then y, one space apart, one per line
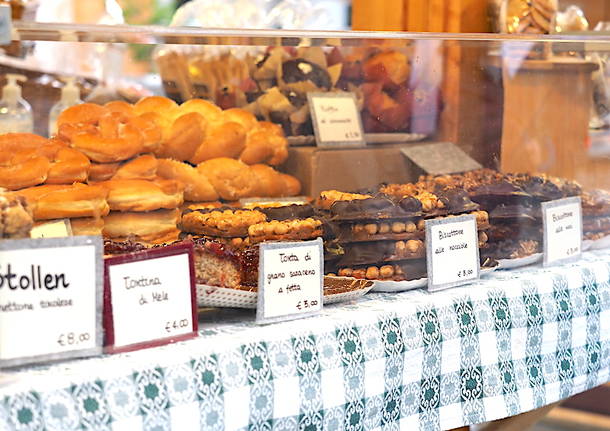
214 140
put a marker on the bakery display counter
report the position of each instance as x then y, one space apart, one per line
306 170
513 342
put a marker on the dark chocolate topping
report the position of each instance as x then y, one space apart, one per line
300 70
288 212
361 208
490 195
456 200
520 212
540 188
410 205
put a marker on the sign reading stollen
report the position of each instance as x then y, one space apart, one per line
150 298
452 252
290 280
336 119
50 299
562 222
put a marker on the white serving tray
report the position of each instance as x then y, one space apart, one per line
520 262
389 286
213 296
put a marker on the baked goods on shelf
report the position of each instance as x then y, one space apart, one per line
285 230
152 227
231 178
141 195
226 223
221 144
66 201
39 161
15 217
596 214
220 264
197 187
140 168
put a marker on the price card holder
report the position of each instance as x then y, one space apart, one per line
440 158
150 298
290 280
336 120
54 229
452 252
562 223
50 299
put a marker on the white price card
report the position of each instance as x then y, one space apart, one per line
50 299
336 119
290 280
562 223
54 229
452 252
150 298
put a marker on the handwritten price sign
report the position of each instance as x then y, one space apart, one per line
562 222
72 339
290 280
50 299
150 298
452 254
336 119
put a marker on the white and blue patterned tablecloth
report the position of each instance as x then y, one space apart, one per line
513 342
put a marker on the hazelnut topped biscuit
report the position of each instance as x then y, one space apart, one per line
286 230
221 222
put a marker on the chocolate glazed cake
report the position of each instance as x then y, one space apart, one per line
380 236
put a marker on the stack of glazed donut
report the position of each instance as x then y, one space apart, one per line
50 176
125 170
216 154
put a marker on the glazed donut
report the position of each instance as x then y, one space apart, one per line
268 182
85 113
67 132
140 168
102 171
12 142
140 195
121 107
117 139
68 166
63 201
222 140
231 178
28 173
197 187
49 150
147 226
150 131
